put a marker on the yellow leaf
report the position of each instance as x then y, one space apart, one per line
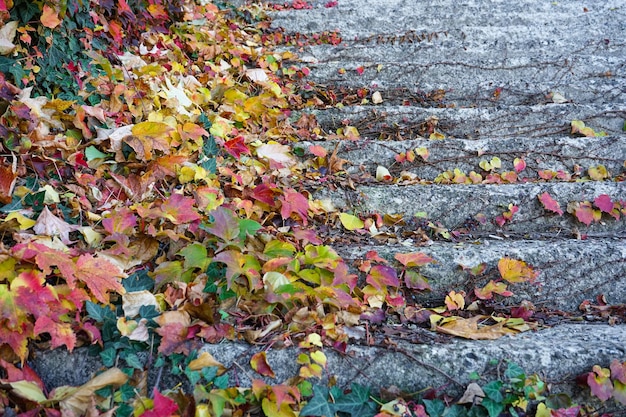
151 129
455 301
513 270
351 222
25 222
437 136
28 390
319 357
204 360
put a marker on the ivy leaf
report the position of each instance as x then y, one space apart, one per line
248 227
550 204
258 362
519 165
600 383
351 222
513 270
357 402
584 212
319 405
434 408
494 408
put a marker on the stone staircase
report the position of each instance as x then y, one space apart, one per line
493 79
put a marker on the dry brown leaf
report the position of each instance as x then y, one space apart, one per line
77 402
50 225
469 329
473 394
206 359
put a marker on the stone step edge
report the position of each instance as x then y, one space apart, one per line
557 354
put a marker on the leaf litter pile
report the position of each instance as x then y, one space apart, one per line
153 200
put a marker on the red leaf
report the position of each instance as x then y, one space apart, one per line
264 194
236 147
318 150
604 203
486 292
550 204
260 365
100 276
618 371
180 209
294 203
413 259
566 412
416 281
163 406
585 213
519 164
359 70
382 275
373 256
7 183
121 221
599 383
60 333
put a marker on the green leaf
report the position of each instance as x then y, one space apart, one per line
318 405
209 373
133 361
434 408
108 357
455 411
514 371
279 249
357 402
221 382
138 281
99 313
492 390
248 227
148 312
494 408
35 200
91 153
195 256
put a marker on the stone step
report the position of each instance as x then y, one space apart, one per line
532 121
412 360
567 154
512 40
453 206
578 79
570 271
399 15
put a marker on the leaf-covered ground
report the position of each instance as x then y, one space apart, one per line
153 201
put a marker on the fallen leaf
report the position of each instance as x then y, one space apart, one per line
550 204
7 34
351 222
260 365
50 225
49 17
78 401
470 329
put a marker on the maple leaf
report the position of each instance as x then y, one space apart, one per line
147 136
239 264
100 276
61 333
122 220
225 224
264 194
236 147
8 177
292 202
513 270
550 204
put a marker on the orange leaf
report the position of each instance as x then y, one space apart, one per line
49 17
513 270
468 329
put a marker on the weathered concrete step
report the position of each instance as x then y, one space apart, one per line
567 154
414 363
570 271
583 79
408 122
400 15
453 205
477 39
